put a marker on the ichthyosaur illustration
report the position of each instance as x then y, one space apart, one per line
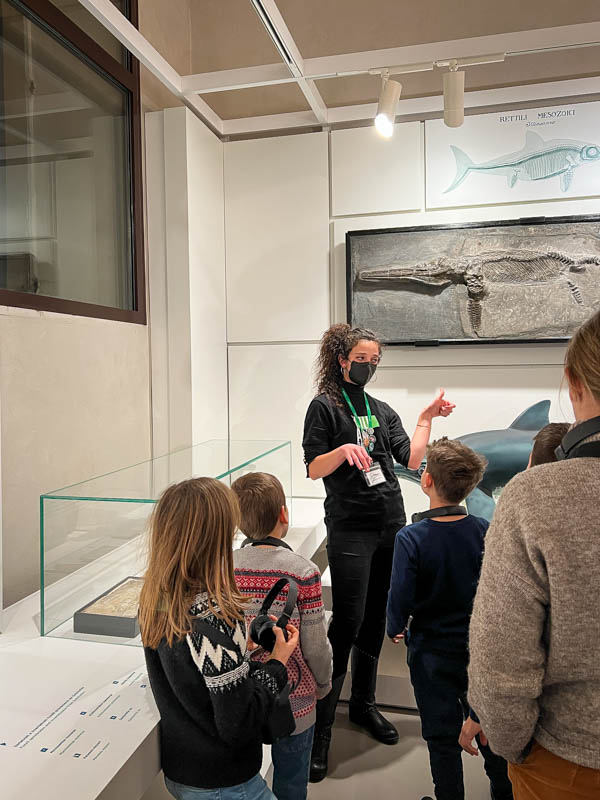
524 267
539 160
507 453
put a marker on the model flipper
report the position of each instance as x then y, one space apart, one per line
464 165
533 418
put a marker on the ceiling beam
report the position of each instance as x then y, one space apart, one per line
129 36
348 64
270 122
283 40
504 96
227 80
519 41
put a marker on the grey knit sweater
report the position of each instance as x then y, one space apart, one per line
535 629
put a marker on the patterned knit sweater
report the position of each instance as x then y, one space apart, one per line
535 629
257 569
213 703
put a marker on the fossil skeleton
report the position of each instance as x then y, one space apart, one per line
524 267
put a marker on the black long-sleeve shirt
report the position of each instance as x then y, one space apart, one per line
213 703
350 502
434 579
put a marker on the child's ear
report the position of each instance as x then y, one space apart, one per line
427 480
284 516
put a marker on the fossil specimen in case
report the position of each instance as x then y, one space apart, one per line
113 613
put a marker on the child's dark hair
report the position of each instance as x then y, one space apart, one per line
546 441
338 341
455 468
260 498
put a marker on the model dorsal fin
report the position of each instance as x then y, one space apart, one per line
533 418
533 140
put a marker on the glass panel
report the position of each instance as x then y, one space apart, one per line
93 533
94 29
65 222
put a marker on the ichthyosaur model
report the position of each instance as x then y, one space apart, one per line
507 452
539 160
524 267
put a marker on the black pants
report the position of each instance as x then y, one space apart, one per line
361 566
439 679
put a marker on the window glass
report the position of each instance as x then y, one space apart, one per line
65 207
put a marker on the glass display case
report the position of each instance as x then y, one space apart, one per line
93 543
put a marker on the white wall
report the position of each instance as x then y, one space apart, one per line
75 403
278 296
186 244
208 311
373 183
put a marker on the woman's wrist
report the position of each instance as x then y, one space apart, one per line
424 421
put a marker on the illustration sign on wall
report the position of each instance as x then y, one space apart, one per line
512 157
523 280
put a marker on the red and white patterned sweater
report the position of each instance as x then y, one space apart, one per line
257 569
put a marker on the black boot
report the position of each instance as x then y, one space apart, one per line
319 758
362 710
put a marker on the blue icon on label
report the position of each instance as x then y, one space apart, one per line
44 750
113 717
77 755
115 681
82 713
143 686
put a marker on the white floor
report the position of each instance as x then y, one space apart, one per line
362 768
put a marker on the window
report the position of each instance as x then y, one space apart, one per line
70 181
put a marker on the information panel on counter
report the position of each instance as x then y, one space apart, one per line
66 735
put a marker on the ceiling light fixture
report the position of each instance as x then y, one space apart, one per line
388 105
454 96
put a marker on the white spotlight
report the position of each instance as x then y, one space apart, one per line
386 110
454 97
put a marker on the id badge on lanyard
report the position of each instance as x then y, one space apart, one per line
374 476
365 437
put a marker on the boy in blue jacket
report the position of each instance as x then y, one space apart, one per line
437 561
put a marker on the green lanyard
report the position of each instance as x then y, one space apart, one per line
359 424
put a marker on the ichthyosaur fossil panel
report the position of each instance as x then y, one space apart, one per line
486 282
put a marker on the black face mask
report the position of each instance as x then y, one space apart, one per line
361 372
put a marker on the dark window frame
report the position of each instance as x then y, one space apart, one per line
128 77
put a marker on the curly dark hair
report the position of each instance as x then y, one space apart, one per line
337 341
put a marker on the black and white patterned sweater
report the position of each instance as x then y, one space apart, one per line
213 703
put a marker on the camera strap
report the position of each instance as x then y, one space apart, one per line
588 450
573 444
442 511
270 540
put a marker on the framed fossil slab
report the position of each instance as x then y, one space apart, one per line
529 281
113 613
